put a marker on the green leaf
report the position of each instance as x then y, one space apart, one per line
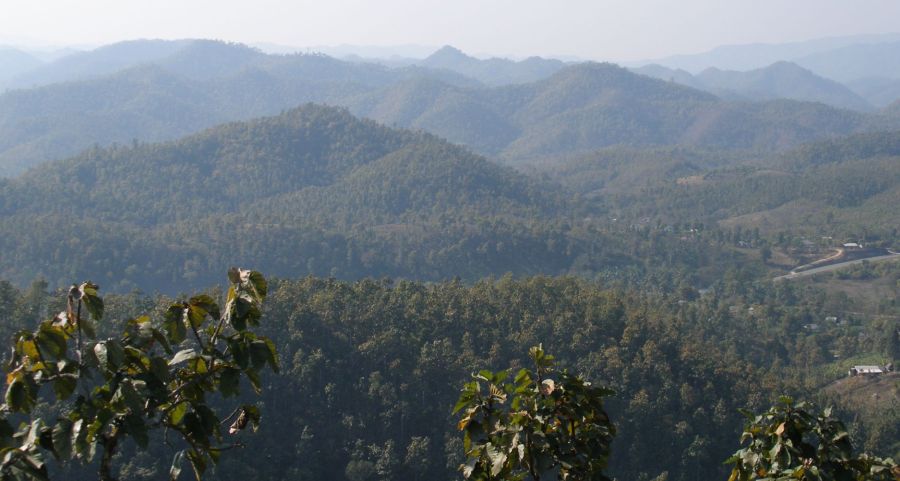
259 284
207 304
198 463
229 382
161 339
20 394
194 427
137 428
234 275
160 369
109 354
115 354
28 348
259 354
127 394
176 415
52 340
62 439
64 386
240 352
253 377
272 353
87 326
195 316
174 325
91 300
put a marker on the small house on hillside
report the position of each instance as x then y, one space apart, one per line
852 245
867 371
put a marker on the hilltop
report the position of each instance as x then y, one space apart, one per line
312 190
492 71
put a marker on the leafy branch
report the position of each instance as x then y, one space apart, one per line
134 383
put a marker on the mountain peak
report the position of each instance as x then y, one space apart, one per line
447 53
786 66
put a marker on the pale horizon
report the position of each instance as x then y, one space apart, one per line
618 31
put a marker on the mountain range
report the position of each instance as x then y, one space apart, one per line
781 80
578 108
805 53
492 71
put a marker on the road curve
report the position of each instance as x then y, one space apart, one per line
832 267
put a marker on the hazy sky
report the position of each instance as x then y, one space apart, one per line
596 29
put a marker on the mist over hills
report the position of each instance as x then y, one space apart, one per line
781 80
856 61
14 62
492 71
103 60
755 56
176 96
878 91
578 108
588 106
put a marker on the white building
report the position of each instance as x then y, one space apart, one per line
866 370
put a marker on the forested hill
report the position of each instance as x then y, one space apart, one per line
577 109
313 190
841 188
218 170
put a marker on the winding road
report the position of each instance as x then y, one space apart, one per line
832 267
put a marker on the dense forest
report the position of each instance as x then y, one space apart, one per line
373 367
315 191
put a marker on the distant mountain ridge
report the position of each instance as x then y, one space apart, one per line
104 60
493 71
856 61
755 56
202 84
781 80
579 108
878 91
589 106
14 62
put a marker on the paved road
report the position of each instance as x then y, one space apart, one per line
832 267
